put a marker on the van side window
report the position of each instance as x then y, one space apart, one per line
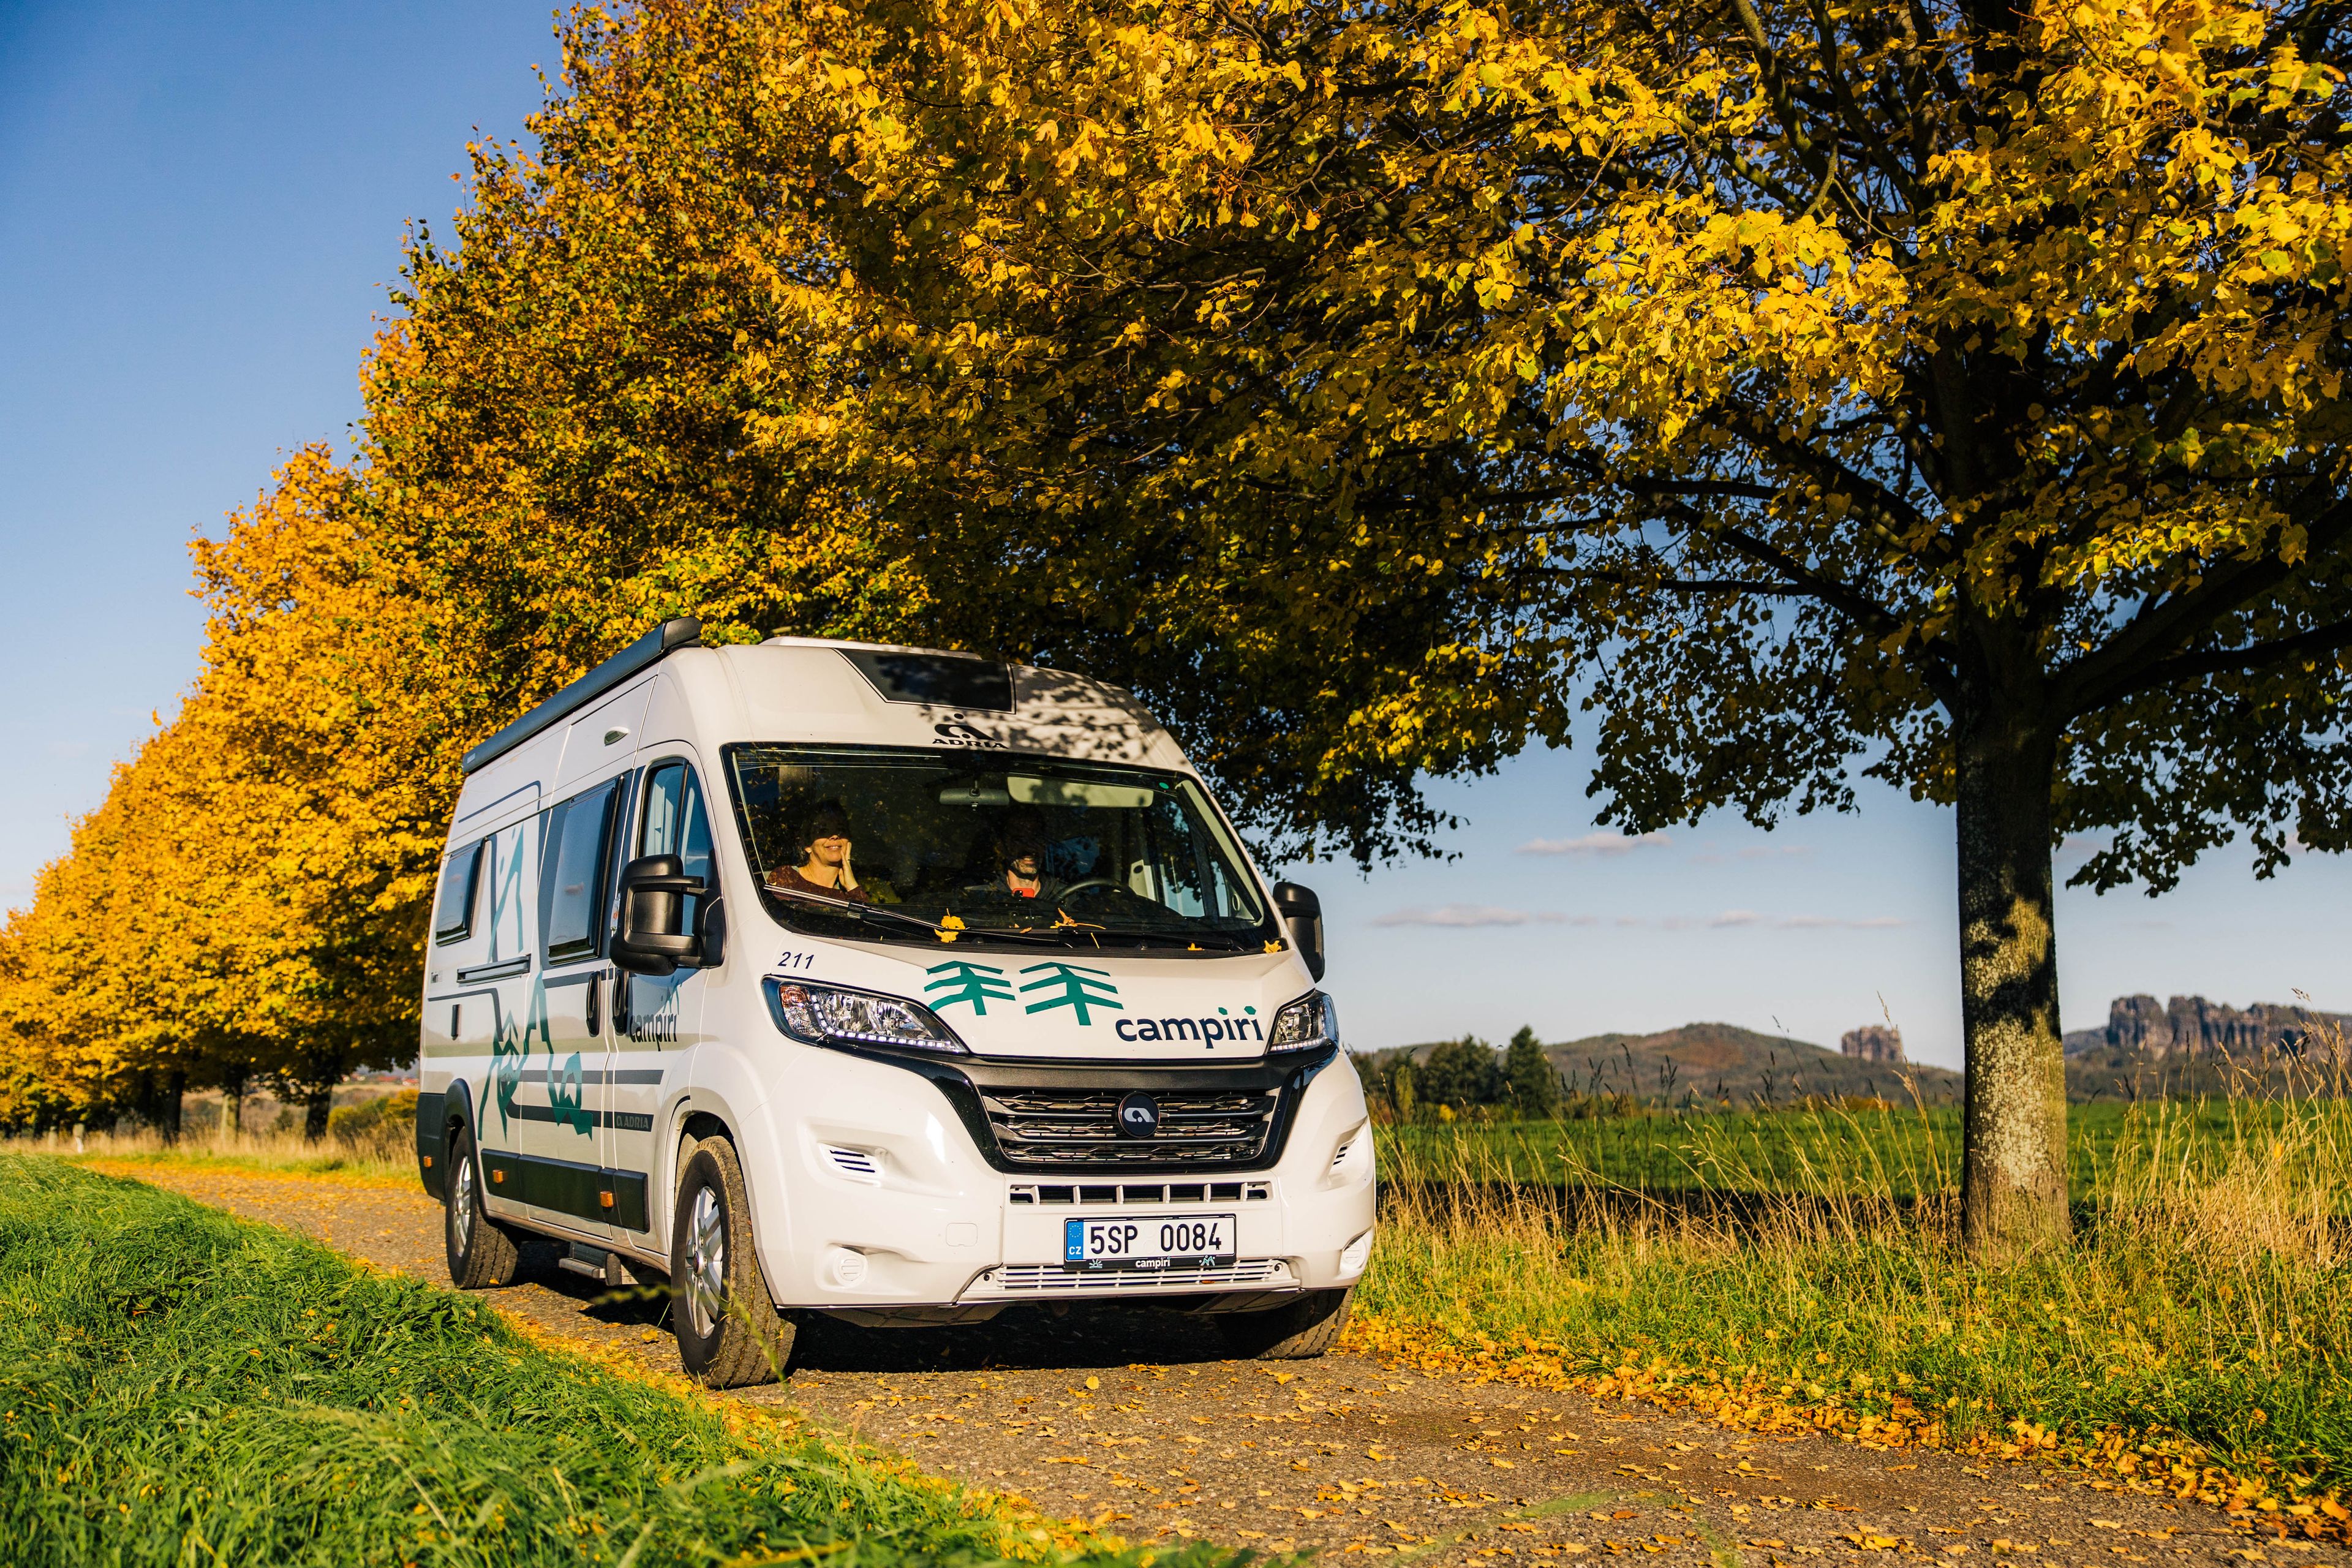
461 880
572 888
676 824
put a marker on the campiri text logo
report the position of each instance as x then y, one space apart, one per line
1208 1031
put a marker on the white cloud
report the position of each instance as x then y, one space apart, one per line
1726 920
1474 915
1833 922
1593 843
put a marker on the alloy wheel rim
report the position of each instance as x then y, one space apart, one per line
706 1261
461 1204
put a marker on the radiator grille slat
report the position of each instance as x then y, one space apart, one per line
1078 1129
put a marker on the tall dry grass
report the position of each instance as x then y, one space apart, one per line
2205 1296
381 1151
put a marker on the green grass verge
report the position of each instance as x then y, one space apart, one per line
182 1387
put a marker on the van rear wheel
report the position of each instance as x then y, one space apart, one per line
483 1254
729 1335
1296 1331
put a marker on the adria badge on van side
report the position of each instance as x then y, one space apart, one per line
893 984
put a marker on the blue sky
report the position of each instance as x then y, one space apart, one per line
199 211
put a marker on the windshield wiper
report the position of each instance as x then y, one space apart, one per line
881 912
1135 936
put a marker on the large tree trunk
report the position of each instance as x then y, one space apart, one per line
2013 1178
234 1082
175 1091
315 1107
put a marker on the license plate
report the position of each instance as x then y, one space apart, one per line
1143 1243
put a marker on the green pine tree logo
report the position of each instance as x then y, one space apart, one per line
978 984
1080 987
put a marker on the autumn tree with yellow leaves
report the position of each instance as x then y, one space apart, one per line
246 904
1949 391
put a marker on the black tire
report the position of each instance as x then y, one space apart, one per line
483 1254
1296 1331
729 1335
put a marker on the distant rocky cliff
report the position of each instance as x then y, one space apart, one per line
1872 1043
2190 1027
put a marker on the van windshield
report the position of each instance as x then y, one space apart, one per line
902 845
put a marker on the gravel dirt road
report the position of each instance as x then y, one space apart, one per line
1131 1420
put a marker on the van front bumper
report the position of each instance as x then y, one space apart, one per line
897 1212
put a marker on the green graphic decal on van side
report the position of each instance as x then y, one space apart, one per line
977 984
510 1048
566 1098
1079 986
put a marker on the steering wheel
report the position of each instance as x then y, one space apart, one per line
1082 885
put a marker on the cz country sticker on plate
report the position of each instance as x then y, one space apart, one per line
1158 1241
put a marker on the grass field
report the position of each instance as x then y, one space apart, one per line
1900 1153
384 1162
180 1386
1812 1257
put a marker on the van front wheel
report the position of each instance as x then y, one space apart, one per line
483 1254
1296 1331
729 1335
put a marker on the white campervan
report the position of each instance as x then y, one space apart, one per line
896 985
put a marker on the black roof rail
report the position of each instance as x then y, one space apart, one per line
645 651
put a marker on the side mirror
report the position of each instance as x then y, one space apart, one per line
1302 917
653 938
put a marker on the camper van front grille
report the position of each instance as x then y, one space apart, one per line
1078 1129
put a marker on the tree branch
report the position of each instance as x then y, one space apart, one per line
2119 666
1679 584
2194 665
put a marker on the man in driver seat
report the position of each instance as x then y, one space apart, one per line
1022 857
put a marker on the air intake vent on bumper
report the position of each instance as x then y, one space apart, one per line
855 1163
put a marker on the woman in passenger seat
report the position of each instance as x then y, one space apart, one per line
826 867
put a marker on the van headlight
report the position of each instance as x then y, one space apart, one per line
828 1016
1310 1022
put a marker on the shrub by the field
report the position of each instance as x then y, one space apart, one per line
384 1127
178 1386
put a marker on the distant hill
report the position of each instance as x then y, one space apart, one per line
2189 1047
1724 1061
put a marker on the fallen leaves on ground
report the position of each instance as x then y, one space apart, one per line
2277 1505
